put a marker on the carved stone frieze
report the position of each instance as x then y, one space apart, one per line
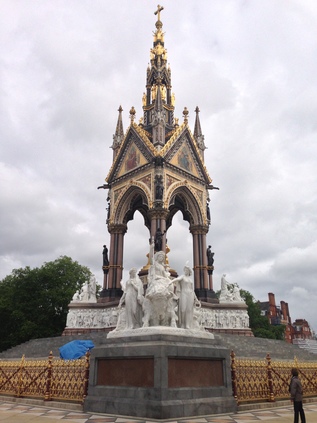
91 318
232 319
210 318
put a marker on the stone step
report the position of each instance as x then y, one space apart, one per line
243 346
43 346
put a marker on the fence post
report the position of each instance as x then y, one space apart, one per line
269 378
233 376
48 394
86 378
20 379
296 364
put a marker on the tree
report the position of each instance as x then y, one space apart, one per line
259 324
34 302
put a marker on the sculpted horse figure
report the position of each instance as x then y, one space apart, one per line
159 302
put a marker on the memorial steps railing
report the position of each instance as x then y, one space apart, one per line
268 380
50 379
55 379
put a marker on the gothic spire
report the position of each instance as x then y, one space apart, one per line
119 134
199 137
158 96
158 118
158 104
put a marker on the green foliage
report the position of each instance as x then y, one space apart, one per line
259 324
34 302
263 333
279 331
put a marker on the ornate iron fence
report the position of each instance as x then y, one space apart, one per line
51 379
267 380
56 379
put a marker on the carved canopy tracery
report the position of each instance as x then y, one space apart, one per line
182 199
134 198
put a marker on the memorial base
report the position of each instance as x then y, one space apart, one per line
160 376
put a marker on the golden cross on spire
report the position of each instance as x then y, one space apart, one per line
158 12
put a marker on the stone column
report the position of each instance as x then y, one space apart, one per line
196 261
203 289
158 220
211 284
204 259
113 291
153 228
163 229
120 259
111 260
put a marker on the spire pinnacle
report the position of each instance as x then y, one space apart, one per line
158 105
158 13
198 135
158 52
132 114
119 134
197 129
158 122
185 114
157 100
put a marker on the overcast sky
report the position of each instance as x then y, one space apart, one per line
250 66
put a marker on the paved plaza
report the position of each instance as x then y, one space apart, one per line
22 413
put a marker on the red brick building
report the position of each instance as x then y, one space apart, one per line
279 315
301 329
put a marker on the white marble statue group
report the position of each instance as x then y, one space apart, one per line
229 292
87 294
166 302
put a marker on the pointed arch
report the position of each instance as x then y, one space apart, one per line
134 198
184 200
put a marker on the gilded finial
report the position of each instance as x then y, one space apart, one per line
185 115
132 114
158 12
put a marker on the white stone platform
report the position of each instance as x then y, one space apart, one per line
162 330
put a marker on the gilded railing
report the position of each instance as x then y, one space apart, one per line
268 380
56 379
51 379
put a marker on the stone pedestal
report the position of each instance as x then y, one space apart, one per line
160 376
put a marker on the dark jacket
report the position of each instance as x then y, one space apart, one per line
296 389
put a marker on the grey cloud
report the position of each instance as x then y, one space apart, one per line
249 66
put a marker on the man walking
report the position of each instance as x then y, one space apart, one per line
296 392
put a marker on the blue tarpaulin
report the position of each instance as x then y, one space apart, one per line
75 349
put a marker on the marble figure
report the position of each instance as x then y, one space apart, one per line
159 302
187 300
229 292
87 293
133 299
